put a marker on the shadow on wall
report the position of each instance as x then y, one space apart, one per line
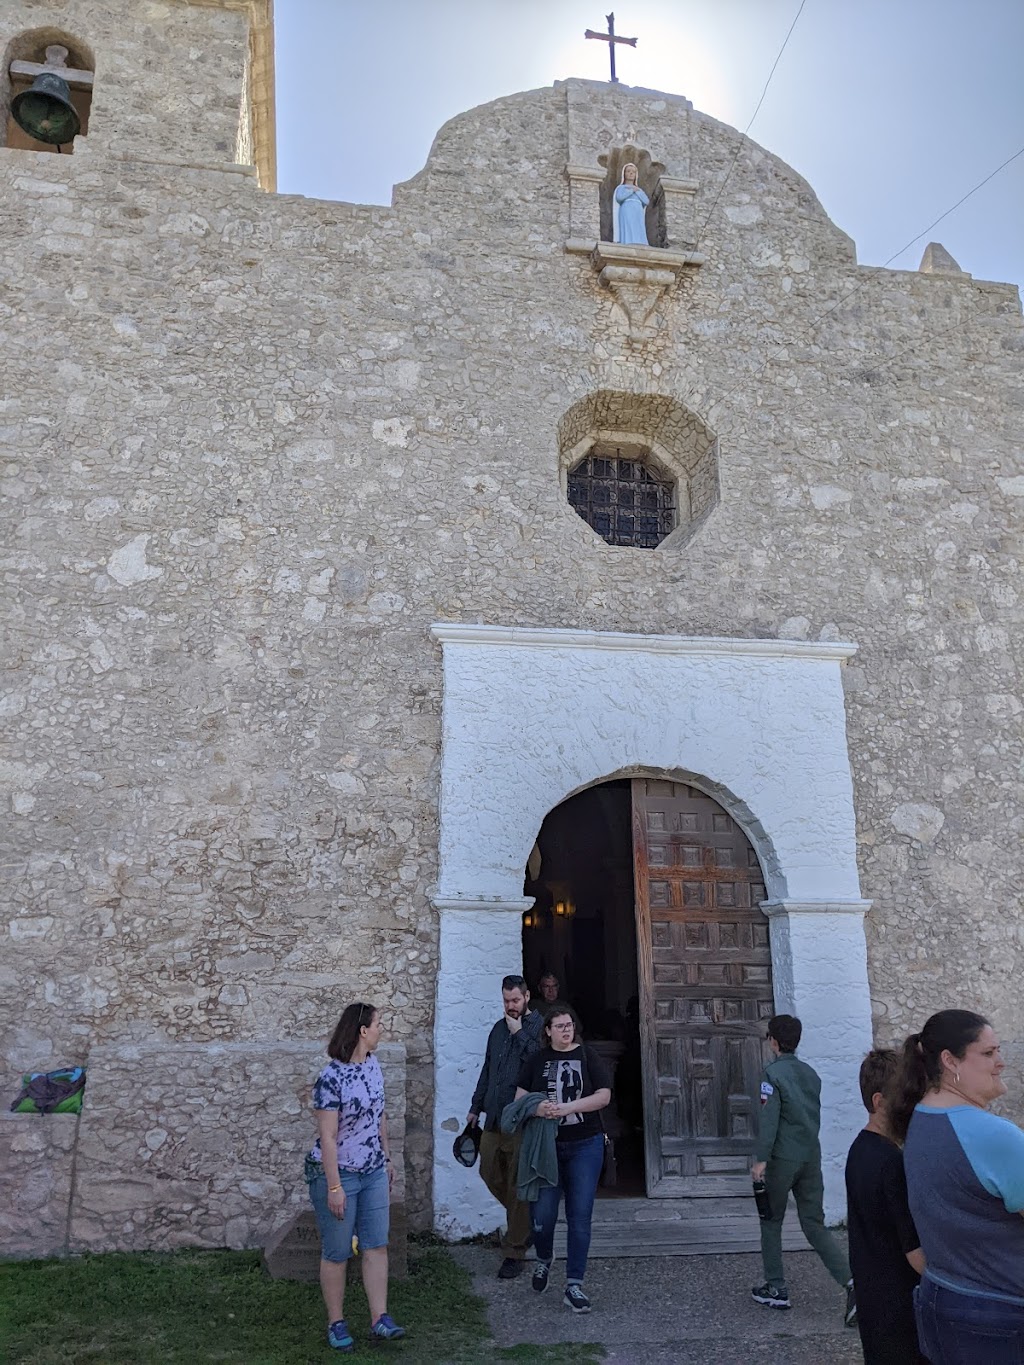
213 1159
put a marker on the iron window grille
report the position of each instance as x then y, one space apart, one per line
623 499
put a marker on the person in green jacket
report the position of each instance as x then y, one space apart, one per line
788 1158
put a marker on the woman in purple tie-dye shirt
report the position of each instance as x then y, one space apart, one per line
349 1172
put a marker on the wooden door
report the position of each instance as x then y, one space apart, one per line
705 989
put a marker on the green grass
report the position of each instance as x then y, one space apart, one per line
188 1306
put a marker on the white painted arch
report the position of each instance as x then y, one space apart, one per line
533 716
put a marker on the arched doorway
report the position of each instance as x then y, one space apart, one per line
534 715
647 909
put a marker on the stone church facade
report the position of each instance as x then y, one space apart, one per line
307 633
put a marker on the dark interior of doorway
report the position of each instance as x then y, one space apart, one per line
583 930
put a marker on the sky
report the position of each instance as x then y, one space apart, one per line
891 109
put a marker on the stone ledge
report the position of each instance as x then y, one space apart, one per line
638 277
620 254
463 633
789 907
442 903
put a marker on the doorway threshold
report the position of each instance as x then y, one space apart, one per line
679 1227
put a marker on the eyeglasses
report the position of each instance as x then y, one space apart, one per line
563 1027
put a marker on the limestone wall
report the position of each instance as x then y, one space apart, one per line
254 446
180 1145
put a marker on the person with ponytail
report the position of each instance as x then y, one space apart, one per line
350 1173
885 1249
965 1183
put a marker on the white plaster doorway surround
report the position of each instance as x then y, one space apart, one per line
532 717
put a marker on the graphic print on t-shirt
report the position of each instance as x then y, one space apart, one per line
565 1084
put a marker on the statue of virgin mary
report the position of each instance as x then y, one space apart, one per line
629 224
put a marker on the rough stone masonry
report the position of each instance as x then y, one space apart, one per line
254 445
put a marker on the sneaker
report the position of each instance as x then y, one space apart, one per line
771 1297
385 1329
850 1316
541 1271
510 1269
339 1337
576 1299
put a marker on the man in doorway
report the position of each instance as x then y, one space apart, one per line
788 1157
516 1036
550 989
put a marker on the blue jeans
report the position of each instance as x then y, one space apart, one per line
967 1329
579 1169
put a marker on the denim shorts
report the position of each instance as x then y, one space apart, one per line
367 1210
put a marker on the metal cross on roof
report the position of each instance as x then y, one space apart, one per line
611 39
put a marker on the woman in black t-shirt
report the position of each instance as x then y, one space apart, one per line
885 1251
577 1085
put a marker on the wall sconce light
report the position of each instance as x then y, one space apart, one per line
565 908
531 919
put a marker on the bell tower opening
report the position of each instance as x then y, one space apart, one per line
45 92
175 84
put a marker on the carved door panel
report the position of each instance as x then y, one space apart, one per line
705 989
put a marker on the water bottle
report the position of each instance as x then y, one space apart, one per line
764 1206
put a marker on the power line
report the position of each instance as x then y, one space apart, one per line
806 334
922 233
876 366
746 130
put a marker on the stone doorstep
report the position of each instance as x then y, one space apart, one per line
670 1227
293 1251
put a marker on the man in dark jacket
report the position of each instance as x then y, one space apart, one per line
788 1158
513 1038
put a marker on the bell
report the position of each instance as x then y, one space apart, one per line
45 110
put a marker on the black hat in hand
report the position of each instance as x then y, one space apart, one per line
466 1147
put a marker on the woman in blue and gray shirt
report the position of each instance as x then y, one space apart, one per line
965 1182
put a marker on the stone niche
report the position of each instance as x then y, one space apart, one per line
608 126
649 178
638 276
675 442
